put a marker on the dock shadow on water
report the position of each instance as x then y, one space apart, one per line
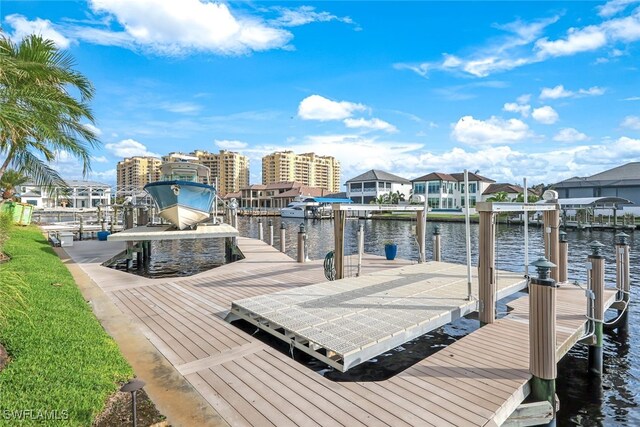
175 258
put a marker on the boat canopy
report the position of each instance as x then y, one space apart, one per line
592 202
331 200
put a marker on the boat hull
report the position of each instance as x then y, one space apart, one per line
292 213
182 203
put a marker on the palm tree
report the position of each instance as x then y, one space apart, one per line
531 198
9 181
39 117
500 196
401 197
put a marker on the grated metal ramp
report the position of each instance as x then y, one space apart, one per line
349 321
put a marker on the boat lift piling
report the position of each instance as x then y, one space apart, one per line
595 273
302 237
282 238
563 257
436 243
270 232
260 230
623 278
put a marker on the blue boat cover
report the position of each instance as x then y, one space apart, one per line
331 200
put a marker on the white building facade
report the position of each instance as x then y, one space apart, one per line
78 194
447 191
372 184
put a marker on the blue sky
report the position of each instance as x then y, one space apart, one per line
546 90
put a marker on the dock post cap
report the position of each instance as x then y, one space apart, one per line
436 230
259 220
133 385
282 226
302 228
595 247
621 238
270 222
563 236
543 267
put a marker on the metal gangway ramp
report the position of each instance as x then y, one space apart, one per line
349 321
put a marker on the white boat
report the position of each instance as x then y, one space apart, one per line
307 208
181 198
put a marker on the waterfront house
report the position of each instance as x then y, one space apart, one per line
512 191
77 194
622 181
276 195
446 191
368 186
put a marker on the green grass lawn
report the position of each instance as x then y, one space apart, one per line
62 359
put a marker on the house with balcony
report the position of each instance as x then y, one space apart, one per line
370 185
77 194
446 192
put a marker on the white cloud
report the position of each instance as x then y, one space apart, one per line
631 122
305 15
227 144
373 124
316 107
176 28
99 159
570 135
22 27
181 107
524 99
545 115
614 7
493 131
559 91
632 98
93 129
514 107
555 92
584 39
129 148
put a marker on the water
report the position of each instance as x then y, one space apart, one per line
613 400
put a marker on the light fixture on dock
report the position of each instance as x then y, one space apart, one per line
621 238
302 229
596 247
436 230
543 267
132 387
563 236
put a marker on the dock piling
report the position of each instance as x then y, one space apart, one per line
551 239
260 230
282 238
80 228
596 266
420 235
542 333
486 269
270 232
436 243
563 257
623 278
301 238
128 218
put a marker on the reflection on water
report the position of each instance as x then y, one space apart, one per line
612 400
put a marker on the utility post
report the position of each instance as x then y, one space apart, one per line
596 266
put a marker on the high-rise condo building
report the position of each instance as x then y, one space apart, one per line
308 168
135 172
228 170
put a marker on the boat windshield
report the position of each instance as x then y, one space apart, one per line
181 175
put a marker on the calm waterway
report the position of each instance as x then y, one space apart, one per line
613 400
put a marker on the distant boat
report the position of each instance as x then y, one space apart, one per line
181 198
307 208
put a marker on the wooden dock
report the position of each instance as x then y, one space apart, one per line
479 380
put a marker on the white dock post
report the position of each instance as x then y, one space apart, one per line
260 230
360 248
421 235
551 239
282 238
542 333
436 243
596 262
467 234
301 239
563 257
270 232
623 278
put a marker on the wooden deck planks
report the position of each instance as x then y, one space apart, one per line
475 381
